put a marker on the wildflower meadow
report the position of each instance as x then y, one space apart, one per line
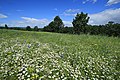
31 55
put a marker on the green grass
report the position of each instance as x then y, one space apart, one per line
52 56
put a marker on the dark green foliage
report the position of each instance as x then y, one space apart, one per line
18 28
54 26
6 26
110 29
28 28
36 28
110 23
50 27
67 30
80 22
1 27
113 29
58 24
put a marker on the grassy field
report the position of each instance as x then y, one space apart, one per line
52 56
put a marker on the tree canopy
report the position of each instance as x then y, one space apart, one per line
80 22
28 28
36 28
55 25
6 26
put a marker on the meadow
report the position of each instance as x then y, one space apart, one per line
33 55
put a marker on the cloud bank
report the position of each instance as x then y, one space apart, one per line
105 16
27 21
99 18
33 22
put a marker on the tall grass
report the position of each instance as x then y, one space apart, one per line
42 56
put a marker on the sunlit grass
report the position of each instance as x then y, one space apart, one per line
52 56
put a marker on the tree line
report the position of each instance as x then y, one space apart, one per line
80 26
28 28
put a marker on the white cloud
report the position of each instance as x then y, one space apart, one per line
34 22
2 24
105 16
111 2
26 21
3 16
30 19
93 1
85 1
70 12
101 17
67 23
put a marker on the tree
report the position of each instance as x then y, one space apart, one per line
54 26
6 26
110 23
112 29
50 27
58 23
80 22
28 28
36 28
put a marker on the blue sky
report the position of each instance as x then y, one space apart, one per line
41 12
